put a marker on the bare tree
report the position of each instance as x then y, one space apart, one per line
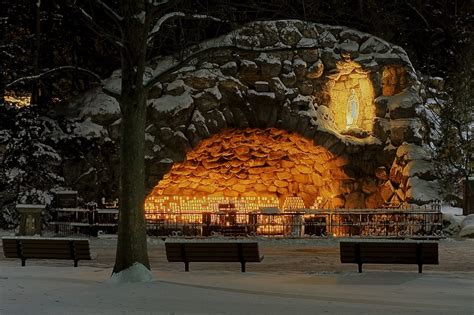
138 21
453 119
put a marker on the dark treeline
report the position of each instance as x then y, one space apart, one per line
32 38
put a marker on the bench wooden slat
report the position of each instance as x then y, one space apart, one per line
367 247
190 252
390 252
50 255
45 247
61 251
11 255
8 247
208 259
9 244
192 258
210 246
27 251
52 249
376 259
419 253
25 248
393 246
12 250
49 242
49 245
212 252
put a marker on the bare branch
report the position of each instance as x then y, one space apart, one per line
157 3
178 14
97 29
53 71
194 52
109 11
419 14
154 6
85 14
3 48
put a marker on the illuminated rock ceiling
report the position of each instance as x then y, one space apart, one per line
254 163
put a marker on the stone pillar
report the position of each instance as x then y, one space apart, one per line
30 218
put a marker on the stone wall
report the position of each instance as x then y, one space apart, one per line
286 75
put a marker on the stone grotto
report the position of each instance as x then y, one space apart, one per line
281 114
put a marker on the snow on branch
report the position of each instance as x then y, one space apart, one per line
109 11
178 14
157 3
85 14
419 14
51 72
4 47
96 28
170 64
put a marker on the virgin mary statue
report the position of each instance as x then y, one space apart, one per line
352 110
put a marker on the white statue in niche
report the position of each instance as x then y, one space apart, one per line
352 109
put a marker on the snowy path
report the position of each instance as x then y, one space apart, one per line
68 290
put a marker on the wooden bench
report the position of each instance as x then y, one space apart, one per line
389 252
187 252
46 248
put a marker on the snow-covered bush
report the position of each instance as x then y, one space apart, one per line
29 162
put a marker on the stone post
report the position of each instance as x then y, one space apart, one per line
30 218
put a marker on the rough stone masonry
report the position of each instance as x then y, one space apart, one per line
294 76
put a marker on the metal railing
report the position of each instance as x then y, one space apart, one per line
338 223
79 221
384 223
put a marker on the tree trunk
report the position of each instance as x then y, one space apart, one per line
35 93
468 200
131 244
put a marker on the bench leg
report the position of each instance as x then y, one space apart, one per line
242 263
420 268
360 268
23 262
75 262
186 266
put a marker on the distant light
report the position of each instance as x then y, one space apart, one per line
18 100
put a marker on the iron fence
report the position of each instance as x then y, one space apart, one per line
78 221
384 223
338 223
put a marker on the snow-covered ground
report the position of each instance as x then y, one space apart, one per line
467 226
83 290
446 209
460 225
299 276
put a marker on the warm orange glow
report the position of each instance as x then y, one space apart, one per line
170 205
18 100
352 97
394 80
318 203
250 169
274 225
294 203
